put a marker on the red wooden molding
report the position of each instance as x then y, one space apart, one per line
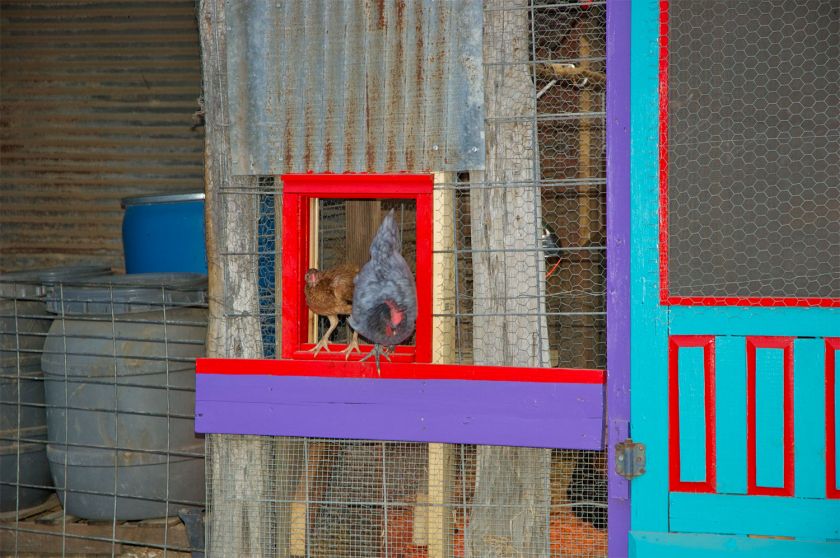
298 189
395 370
786 344
675 343
832 490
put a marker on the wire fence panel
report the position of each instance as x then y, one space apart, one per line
754 149
98 454
362 498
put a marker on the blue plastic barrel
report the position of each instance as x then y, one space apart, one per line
164 233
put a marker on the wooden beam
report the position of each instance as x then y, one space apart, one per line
570 71
438 518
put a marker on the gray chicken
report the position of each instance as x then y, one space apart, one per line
385 296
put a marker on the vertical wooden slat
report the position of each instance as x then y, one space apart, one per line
441 473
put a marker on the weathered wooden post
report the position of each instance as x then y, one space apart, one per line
238 466
509 304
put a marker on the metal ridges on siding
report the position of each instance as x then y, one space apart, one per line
96 104
355 86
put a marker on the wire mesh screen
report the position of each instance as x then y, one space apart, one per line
98 454
358 498
520 272
754 148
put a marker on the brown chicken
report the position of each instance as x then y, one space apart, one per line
330 293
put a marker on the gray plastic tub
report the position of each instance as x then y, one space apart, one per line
21 398
124 384
24 469
123 294
24 323
23 317
141 488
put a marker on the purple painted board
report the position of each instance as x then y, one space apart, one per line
618 264
455 411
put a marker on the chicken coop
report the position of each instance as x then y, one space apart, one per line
615 230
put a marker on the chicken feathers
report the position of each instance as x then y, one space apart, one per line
330 293
385 296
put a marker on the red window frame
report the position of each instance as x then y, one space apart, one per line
298 190
666 298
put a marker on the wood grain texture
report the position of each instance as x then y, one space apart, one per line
238 480
667 545
510 502
803 518
649 321
451 411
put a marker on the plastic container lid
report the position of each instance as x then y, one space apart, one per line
123 294
33 283
162 198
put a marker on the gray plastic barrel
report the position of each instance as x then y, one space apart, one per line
24 322
120 391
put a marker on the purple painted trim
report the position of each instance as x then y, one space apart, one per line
618 264
453 411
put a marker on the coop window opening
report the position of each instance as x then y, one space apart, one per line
307 243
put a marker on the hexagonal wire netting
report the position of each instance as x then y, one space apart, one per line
754 149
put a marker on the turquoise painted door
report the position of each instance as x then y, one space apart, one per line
734 396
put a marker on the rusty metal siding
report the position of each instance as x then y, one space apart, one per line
358 85
96 103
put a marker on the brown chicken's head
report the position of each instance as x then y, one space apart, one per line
312 276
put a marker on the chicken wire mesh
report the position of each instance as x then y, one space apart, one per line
533 220
98 455
754 149
329 497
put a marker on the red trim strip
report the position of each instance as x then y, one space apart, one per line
298 190
664 291
396 370
785 343
675 343
832 489
751 301
358 185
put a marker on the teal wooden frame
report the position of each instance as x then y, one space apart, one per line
653 529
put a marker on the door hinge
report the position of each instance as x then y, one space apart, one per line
630 459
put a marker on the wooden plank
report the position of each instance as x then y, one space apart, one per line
809 418
667 545
314 230
528 414
731 411
804 518
303 509
55 534
441 472
19 515
727 320
649 321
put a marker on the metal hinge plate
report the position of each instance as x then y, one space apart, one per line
630 459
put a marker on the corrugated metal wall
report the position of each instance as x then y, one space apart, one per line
355 86
96 104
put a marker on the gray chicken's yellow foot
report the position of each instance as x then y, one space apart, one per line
376 352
